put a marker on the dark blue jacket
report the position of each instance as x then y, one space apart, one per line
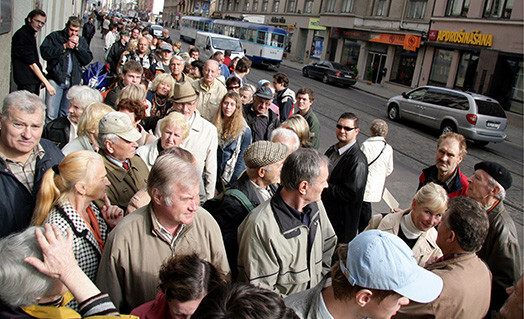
52 50
17 204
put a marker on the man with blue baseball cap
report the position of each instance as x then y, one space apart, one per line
376 275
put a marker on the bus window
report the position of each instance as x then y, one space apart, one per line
237 32
251 34
243 34
207 27
261 39
277 40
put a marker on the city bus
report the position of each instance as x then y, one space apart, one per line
189 26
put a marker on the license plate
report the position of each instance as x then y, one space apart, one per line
348 76
493 124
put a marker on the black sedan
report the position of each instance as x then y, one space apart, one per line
330 72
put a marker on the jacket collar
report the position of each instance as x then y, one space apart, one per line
289 225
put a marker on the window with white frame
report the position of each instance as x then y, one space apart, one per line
308 6
255 5
416 9
498 9
276 5
330 5
457 8
264 6
347 6
246 5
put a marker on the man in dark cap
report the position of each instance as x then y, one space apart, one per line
261 120
257 184
501 248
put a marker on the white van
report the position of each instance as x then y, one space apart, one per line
209 43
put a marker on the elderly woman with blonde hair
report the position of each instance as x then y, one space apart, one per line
160 93
66 199
416 225
174 129
298 124
88 129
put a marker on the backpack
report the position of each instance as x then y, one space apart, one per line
96 76
214 203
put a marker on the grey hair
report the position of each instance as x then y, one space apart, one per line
379 128
248 87
104 137
169 170
493 183
25 101
84 95
211 61
301 165
20 283
286 134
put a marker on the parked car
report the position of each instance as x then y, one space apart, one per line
330 72
157 30
477 117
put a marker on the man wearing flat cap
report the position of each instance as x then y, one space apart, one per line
125 170
202 141
286 243
257 184
501 250
165 54
261 120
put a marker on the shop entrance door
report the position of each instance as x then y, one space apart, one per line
375 66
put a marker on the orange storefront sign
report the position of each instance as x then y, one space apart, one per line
408 41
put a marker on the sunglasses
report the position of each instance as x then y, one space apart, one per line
346 128
233 87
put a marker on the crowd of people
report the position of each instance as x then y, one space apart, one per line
184 191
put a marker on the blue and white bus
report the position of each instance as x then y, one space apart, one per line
190 25
263 44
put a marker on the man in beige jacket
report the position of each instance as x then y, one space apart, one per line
210 90
172 224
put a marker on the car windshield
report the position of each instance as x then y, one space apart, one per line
490 108
155 27
227 44
339 66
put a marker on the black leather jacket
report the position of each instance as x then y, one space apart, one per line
343 198
251 118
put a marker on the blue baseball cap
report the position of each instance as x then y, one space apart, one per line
380 260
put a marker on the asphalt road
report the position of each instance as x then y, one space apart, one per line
414 145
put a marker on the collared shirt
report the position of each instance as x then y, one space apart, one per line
264 193
434 178
334 157
121 164
25 172
166 235
72 129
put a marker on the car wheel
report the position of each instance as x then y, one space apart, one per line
325 79
393 112
305 73
448 127
481 143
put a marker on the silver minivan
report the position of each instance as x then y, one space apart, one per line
475 116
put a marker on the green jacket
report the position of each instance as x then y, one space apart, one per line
275 252
314 128
124 183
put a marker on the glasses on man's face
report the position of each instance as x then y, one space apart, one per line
232 87
345 128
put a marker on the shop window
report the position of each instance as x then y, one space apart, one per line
350 54
416 9
246 6
467 71
264 6
381 8
276 4
255 5
347 6
498 9
403 66
457 8
308 6
330 6
440 67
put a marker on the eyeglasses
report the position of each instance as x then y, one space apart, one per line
233 87
346 128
